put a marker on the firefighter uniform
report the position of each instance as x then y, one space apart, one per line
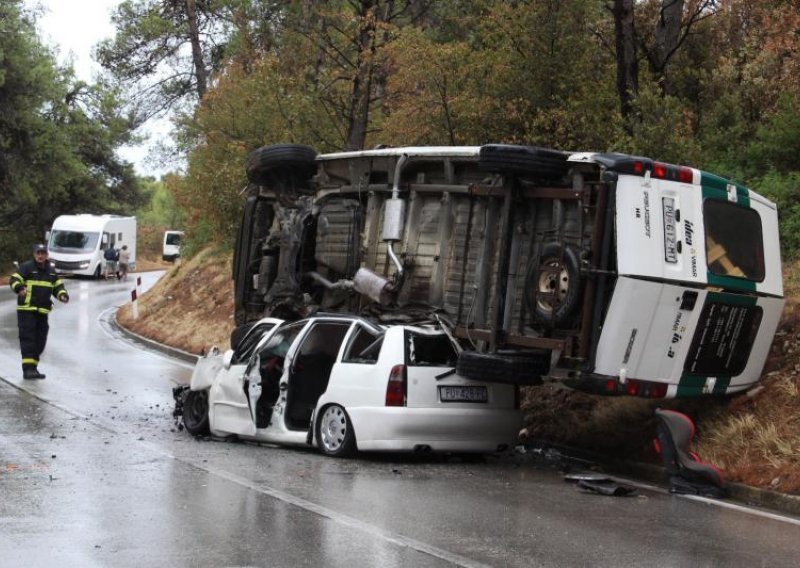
40 283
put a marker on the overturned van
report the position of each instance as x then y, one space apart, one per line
616 274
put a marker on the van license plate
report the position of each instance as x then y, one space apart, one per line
463 394
670 251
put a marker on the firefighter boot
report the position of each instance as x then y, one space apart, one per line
31 372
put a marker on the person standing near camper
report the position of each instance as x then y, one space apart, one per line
111 255
34 284
124 260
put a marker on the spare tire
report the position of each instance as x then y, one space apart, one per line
512 369
538 162
557 275
272 164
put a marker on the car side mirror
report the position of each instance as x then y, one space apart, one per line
227 359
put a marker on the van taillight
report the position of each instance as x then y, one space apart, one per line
646 389
396 387
673 173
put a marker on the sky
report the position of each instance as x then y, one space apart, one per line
72 28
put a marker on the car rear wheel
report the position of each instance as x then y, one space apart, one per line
195 413
335 436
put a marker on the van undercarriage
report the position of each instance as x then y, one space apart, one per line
509 247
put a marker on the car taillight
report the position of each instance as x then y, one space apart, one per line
396 387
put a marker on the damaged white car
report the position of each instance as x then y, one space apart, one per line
342 384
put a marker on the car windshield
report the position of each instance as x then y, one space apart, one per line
173 239
73 241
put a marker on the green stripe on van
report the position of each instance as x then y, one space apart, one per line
717 187
692 385
731 282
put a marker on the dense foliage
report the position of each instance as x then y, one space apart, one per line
58 137
713 84
707 83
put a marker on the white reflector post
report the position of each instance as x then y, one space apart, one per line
135 303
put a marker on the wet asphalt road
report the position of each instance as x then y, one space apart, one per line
93 472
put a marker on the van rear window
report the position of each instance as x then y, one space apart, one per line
734 241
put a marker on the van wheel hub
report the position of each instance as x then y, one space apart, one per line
553 285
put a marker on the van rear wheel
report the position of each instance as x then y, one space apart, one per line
531 160
280 164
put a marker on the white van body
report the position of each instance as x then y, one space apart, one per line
76 243
613 273
172 245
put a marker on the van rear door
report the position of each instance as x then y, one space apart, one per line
695 340
706 231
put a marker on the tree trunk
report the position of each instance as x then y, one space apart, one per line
358 114
627 60
668 37
200 72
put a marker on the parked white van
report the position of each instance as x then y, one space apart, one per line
76 242
613 273
172 245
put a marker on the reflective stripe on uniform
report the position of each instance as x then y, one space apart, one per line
33 309
28 361
44 283
16 281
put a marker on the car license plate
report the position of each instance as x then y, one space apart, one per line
463 394
670 239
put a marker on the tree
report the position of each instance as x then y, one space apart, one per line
57 139
674 21
149 55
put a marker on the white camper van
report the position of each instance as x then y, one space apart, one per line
172 245
76 242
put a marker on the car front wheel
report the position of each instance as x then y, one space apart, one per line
335 436
195 413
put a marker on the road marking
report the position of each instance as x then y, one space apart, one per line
104 319
710 501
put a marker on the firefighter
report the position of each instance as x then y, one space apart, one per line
34 284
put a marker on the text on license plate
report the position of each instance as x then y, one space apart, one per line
463 394
670 252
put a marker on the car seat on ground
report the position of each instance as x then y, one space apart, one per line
687 474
